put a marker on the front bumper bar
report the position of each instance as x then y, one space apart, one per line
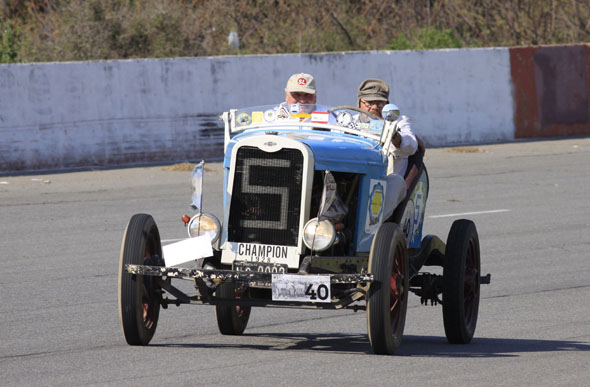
218 276
254 279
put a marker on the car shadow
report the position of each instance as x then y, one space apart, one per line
484 347
420 346
286 341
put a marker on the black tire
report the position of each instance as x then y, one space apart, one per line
231 319
387 301
139 296
461 282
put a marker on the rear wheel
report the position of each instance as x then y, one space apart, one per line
387 301
461 281
139 296
231 319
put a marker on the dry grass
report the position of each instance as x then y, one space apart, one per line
182 167
185 167
52 30
465 149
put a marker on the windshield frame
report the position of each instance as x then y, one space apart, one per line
261 117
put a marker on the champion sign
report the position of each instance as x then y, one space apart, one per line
261 253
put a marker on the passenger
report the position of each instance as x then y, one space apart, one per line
372 96
301 90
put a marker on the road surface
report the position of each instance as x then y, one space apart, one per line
60 236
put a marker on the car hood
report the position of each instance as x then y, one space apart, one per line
339 152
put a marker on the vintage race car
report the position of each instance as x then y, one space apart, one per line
304 227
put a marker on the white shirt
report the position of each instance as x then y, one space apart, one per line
398 157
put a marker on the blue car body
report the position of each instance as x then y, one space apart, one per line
351 149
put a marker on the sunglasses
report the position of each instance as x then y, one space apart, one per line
368 104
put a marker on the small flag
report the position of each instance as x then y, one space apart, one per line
319 117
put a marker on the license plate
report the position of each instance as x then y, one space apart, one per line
258 253
302 288
270 268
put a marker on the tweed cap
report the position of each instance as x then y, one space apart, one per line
373 90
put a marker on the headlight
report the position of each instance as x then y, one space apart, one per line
319 236
204 224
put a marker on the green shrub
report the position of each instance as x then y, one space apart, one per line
62 30
8 43
425 39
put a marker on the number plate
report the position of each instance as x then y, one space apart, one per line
271 268
302 288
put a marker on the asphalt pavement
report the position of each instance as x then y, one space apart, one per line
60 237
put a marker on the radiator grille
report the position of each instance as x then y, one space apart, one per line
266 197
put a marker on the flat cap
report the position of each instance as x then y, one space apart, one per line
373 90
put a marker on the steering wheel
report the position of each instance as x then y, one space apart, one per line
356 109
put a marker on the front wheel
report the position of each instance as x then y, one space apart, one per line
461 281
139 296
231 319
387 301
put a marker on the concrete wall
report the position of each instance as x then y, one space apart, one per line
61 115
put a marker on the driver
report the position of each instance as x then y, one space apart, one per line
372 96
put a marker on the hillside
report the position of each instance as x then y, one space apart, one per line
72 30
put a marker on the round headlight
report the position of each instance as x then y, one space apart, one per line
319 236
204 224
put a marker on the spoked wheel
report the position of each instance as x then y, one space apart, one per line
355 108
139 296
231 319
387 301
461 281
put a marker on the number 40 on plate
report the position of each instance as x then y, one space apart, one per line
302 288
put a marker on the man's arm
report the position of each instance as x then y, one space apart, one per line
405 140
